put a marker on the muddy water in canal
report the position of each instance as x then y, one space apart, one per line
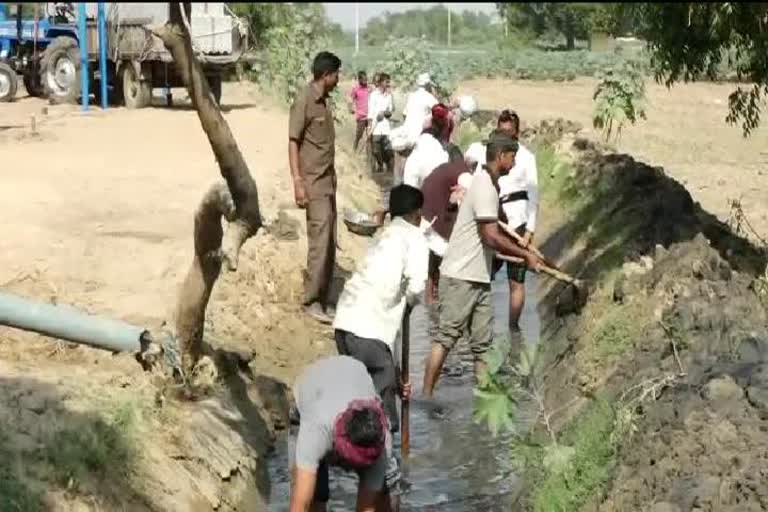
455 465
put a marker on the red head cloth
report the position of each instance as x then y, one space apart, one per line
358 456
444 117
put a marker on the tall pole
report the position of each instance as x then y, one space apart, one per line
82 33
102 28
449 27
357 28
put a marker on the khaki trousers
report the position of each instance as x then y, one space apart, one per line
321 250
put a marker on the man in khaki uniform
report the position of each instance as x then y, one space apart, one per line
311 150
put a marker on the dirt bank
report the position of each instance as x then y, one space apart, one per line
657 388
99 215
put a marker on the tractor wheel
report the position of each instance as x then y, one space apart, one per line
8 83
214 82
137 93
60 67
33 82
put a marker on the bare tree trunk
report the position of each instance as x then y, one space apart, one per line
238 201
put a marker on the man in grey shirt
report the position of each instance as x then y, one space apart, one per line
341 423
465 274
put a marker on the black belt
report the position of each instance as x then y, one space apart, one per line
521 195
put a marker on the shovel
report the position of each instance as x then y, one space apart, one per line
577 288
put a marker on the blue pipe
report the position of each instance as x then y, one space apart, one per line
102 27
2 11
68 323
83 36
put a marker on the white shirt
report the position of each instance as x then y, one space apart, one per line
418 108
427 155
394 270
523 176
378 103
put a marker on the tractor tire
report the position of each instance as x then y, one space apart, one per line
60 71
9 83
33 82
214 82
137 93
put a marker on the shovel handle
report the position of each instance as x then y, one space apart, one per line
535 250
560 276
405 430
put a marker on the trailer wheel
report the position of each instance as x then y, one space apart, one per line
60 67
214 82
8 83
137 93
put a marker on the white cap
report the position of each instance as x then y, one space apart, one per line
467 105
476 153
423 79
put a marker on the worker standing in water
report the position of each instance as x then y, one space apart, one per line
465 274
311 150
371 307
338 421
519 198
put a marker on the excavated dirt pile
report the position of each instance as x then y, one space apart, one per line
674 336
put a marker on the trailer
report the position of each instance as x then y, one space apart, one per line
45 51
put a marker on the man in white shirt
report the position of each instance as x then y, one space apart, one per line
417 111
371 307
519 198
430 151
465 306
380 108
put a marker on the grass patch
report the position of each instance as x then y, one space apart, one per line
614 332
589 468
15 494
95 448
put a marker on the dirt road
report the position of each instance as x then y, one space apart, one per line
685 133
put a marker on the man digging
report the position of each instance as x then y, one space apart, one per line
371 307
311 151
341 422
519 199
464 305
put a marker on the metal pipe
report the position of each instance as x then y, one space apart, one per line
68 323
102 28
82 32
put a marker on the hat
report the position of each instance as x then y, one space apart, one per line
476 153
423 79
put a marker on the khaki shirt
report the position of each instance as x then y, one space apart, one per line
311 125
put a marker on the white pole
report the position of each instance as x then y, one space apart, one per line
357 28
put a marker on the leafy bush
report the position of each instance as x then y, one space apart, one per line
619 98
290 48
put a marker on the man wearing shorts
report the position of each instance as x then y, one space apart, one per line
341 422
519 198
465 282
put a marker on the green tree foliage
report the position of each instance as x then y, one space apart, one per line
406 58
430 24
688 41
265 16
573 20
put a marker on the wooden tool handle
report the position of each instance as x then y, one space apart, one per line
535 250
405 431
561 276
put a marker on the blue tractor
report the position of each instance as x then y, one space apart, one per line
42 48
